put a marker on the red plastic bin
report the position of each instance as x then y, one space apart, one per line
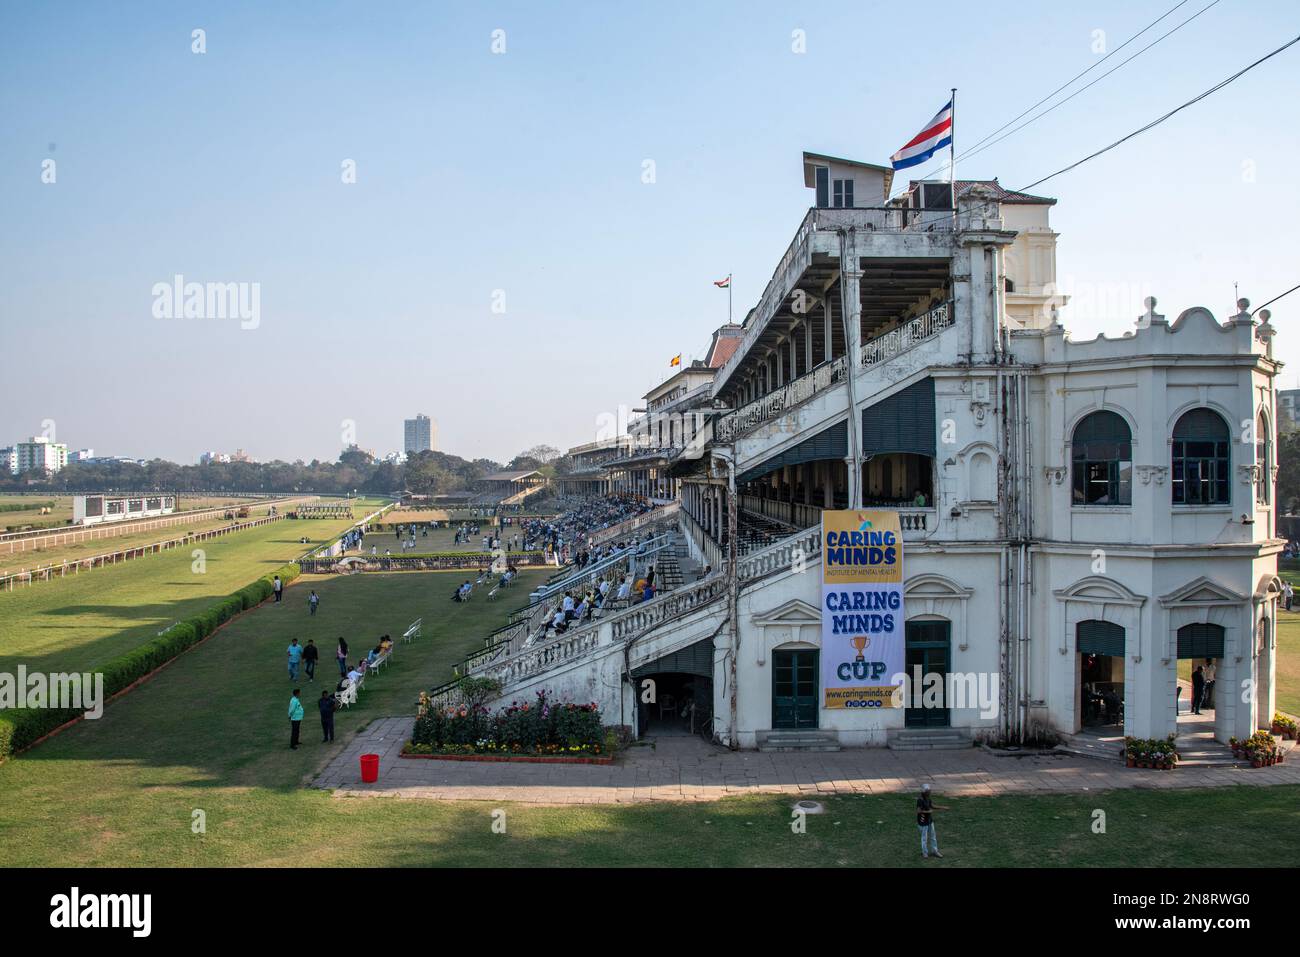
369 768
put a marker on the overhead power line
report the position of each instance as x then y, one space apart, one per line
1122 63
1156 122
1275 298
979 147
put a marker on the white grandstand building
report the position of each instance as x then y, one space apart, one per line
1077 516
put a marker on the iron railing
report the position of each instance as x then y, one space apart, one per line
909 334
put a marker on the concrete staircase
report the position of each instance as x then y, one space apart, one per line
928 739
668 568
809 739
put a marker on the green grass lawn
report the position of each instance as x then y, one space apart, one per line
210 733
80 622
438 540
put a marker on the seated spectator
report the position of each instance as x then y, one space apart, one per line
625 589
560 623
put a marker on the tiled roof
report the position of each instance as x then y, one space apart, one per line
725 343
1001 193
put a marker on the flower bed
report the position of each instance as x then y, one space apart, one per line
425 752
1284 727
1260 749
537 730
1158 753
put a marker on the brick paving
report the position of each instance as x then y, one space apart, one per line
690 769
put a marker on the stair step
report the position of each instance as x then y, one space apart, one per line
928 740
809 740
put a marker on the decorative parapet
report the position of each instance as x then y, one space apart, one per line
1194 333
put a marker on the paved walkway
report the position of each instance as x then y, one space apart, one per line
689 769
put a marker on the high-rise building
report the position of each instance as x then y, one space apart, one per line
1288 402
40 453
419 434
8 460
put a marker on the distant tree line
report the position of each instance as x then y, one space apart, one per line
425 473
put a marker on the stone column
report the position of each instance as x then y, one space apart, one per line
851 276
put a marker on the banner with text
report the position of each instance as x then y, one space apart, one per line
862 608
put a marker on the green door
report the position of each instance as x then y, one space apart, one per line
928 649
794 689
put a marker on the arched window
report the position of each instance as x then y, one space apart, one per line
1102 449
1200 459
1264 487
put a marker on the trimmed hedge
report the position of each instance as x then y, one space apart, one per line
19 728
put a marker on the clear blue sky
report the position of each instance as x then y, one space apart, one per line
522 172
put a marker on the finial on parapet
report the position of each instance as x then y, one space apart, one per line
1265 332
1243 311
1144 321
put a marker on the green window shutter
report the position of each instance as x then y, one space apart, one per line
696 659
1201 425
1096 637
831 443
904 422
1200 641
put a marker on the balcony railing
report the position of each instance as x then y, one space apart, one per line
899 340
874 219
776 403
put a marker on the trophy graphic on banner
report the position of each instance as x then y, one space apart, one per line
860 642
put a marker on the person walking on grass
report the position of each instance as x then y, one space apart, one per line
295 719
295 656
277 586
341 653
925 809
312 601
326 705
309 656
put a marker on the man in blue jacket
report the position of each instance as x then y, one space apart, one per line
326 705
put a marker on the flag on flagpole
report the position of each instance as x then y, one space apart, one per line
723 283
933 137
675 360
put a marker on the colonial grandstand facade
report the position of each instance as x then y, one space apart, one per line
1077 517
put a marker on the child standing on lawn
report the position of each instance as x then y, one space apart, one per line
925 808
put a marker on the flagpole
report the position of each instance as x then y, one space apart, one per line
952 155
952 141
729 319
